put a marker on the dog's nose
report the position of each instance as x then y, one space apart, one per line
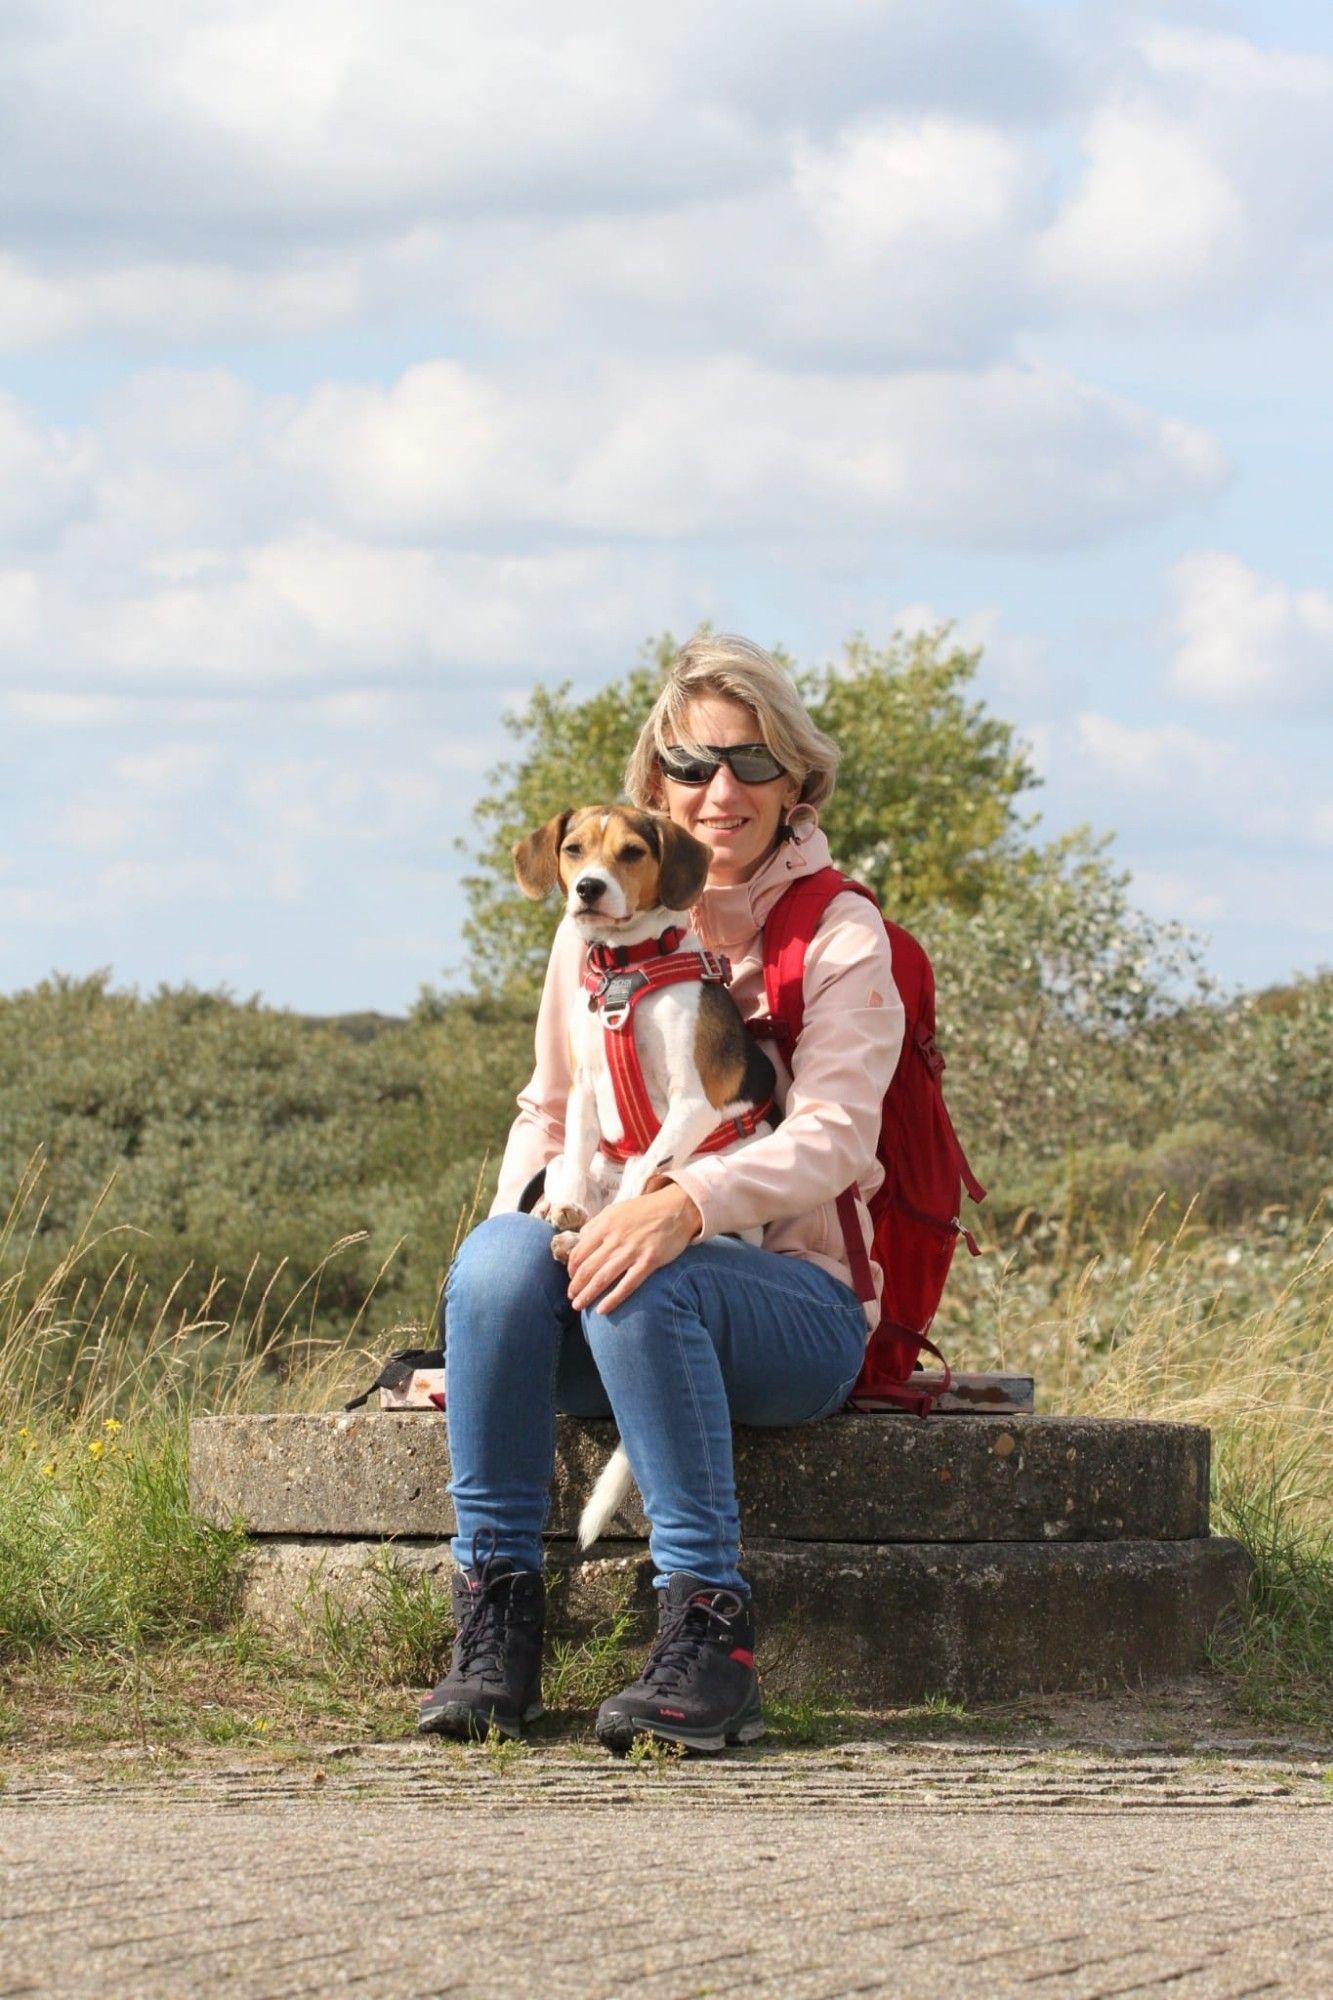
589 888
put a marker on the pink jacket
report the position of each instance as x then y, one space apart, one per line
788 1180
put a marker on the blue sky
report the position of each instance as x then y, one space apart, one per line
361 366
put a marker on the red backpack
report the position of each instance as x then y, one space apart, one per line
915 1212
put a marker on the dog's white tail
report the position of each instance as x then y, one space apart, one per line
607 1496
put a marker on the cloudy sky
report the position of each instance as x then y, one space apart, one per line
361 364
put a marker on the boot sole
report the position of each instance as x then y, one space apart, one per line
474 1725
618 1733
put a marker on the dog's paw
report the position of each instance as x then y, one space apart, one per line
562 1244
565 1216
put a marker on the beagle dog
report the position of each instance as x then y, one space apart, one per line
629 879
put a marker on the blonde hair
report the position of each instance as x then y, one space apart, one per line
720 663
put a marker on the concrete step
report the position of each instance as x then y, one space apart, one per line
871 1479
878 1625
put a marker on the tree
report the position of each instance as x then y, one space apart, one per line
1054 995
926 807
925 812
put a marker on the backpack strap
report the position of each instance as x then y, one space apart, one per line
787 933
788 930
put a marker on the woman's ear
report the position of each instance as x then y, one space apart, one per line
537 858
685 865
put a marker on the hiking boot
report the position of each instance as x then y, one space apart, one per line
495 1675
698 1687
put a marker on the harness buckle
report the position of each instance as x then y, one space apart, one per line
614 998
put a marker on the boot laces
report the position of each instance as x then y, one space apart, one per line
703 1620
482 1629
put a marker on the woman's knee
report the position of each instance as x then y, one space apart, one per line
506 1261
650 1309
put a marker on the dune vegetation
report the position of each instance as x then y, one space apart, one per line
214 1204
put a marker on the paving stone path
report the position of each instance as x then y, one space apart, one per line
423 1870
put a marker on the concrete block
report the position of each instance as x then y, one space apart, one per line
879 1625
850 1479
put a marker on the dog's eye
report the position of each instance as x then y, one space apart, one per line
633 853
572 850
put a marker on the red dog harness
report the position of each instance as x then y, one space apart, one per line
616 979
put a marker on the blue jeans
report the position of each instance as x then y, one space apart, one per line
723 1334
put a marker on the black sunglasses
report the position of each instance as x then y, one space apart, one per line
749 763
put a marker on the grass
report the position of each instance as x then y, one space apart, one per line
117 1606
813 1719
1235 1333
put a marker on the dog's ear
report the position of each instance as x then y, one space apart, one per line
537 858
685 865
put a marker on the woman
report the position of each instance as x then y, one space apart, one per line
663 1319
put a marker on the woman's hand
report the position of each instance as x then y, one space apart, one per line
625 1243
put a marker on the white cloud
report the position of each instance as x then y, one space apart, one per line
1016 672
45 476
1153 754
303 615
1167 783
1230 69
18 608
163 303
214 538
898 240
53 709
1010 456
912 181
167 770
1156 219
1269 916
98 825
1173 896
139 884
34 309
1245 638
329 116
1208 176
815 180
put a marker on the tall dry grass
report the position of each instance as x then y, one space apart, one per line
97 1383
1235 1333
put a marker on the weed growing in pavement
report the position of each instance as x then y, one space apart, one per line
502 1752
650 1753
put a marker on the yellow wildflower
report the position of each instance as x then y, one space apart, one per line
49 1469
111 1424
24 1432
96 1448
